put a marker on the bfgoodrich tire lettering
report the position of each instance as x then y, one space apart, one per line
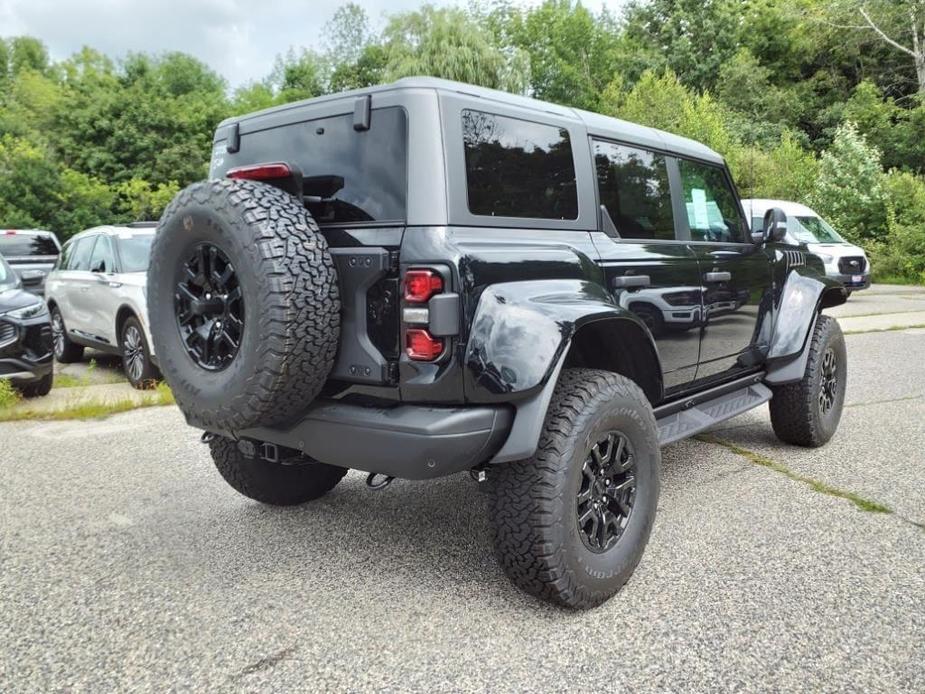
290 297
538 536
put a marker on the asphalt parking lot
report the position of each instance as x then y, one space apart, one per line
126 563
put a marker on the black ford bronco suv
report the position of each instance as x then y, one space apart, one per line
426 277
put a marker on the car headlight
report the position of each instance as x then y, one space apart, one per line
825 258
31 311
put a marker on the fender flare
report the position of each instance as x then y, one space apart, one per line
802 299
518 345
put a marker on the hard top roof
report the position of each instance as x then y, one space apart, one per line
595 123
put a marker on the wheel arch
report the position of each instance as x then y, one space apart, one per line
123 314
620 345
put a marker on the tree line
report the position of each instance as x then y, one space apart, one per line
819 101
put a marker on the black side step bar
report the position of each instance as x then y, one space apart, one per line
686 417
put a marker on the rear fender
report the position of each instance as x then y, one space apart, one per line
521 331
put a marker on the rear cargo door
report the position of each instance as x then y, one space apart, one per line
353 169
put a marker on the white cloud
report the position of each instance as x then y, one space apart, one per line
238 38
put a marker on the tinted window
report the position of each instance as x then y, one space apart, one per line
13 245
634 188
135 251
102 259
713 212
349 176
80 254
515 168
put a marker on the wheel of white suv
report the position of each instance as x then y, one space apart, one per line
66 352
136 355
571 523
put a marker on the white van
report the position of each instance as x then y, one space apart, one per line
843 260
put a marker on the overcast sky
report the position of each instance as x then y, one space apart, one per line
238 38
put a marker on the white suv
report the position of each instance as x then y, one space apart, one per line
96 295
843 261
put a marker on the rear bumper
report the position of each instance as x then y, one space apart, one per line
405 441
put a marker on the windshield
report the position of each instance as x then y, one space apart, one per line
13 244
135 251
812 230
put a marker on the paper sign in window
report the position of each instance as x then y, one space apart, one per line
701 217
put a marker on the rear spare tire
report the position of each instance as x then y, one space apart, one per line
243 303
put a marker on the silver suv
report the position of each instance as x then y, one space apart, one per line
31 253
96 295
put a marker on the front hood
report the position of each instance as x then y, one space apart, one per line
839 250
11 299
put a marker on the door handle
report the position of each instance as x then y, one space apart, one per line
717 277
627 281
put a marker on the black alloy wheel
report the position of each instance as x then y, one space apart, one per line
828 383
209 307
607 493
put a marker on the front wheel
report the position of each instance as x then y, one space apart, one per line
571 524
289 481
807 413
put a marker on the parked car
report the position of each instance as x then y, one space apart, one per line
32 253
96 295
844 261
428 277
25 336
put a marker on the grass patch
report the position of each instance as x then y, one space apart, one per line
90 378
896 279
90 408
859 501
9 396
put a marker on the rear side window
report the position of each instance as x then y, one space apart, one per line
135 251
348 175
517 168
102 259
80 254
634 188
14 245
713 212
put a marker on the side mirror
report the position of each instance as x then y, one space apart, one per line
774 228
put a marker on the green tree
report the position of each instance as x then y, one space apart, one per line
448 43
573 54
849 190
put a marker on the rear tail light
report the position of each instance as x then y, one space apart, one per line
420 345
260 172
421 285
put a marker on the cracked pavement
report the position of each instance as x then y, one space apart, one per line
127 564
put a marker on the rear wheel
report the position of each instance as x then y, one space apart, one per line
571 523
136 356
807 413
290 481
66 352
